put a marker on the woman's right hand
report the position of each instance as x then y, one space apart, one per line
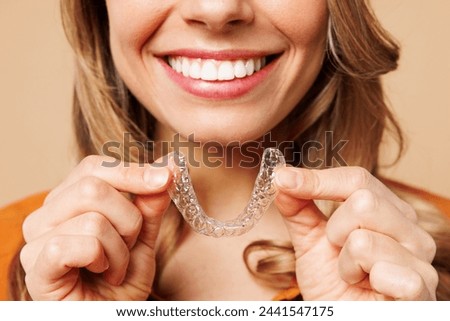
89 241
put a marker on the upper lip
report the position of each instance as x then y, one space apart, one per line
229 54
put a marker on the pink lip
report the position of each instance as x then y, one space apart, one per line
218 89
231 54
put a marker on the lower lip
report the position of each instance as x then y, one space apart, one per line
218 89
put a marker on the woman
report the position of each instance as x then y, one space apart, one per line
228 72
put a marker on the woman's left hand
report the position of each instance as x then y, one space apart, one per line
371 248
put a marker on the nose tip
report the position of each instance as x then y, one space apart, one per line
217 15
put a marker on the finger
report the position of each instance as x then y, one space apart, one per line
399 282
336 184
304 221
142 264
56 270
89 224
152 208
365 248
127 177
290 207
365 210
88 195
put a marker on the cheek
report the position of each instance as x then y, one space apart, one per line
303 22
133 22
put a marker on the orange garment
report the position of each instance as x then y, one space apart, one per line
12 216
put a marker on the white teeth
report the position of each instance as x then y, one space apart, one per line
258 65
178 66
239 69
250 67
226 71
213 70
185 66
209 71
171 62
196 70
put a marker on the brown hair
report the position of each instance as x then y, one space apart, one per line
347 99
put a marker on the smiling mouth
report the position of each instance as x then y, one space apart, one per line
218 70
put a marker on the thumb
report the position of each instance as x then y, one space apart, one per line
142 267
296 195
152 208
304 220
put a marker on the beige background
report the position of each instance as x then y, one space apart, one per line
36 75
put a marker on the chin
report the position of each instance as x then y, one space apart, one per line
222 135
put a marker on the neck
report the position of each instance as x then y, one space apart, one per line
224 190
223 177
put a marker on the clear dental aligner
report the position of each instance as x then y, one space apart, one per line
184 197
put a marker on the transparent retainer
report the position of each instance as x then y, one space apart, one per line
184 197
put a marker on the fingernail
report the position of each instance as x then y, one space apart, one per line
286 178
105 263
156 177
